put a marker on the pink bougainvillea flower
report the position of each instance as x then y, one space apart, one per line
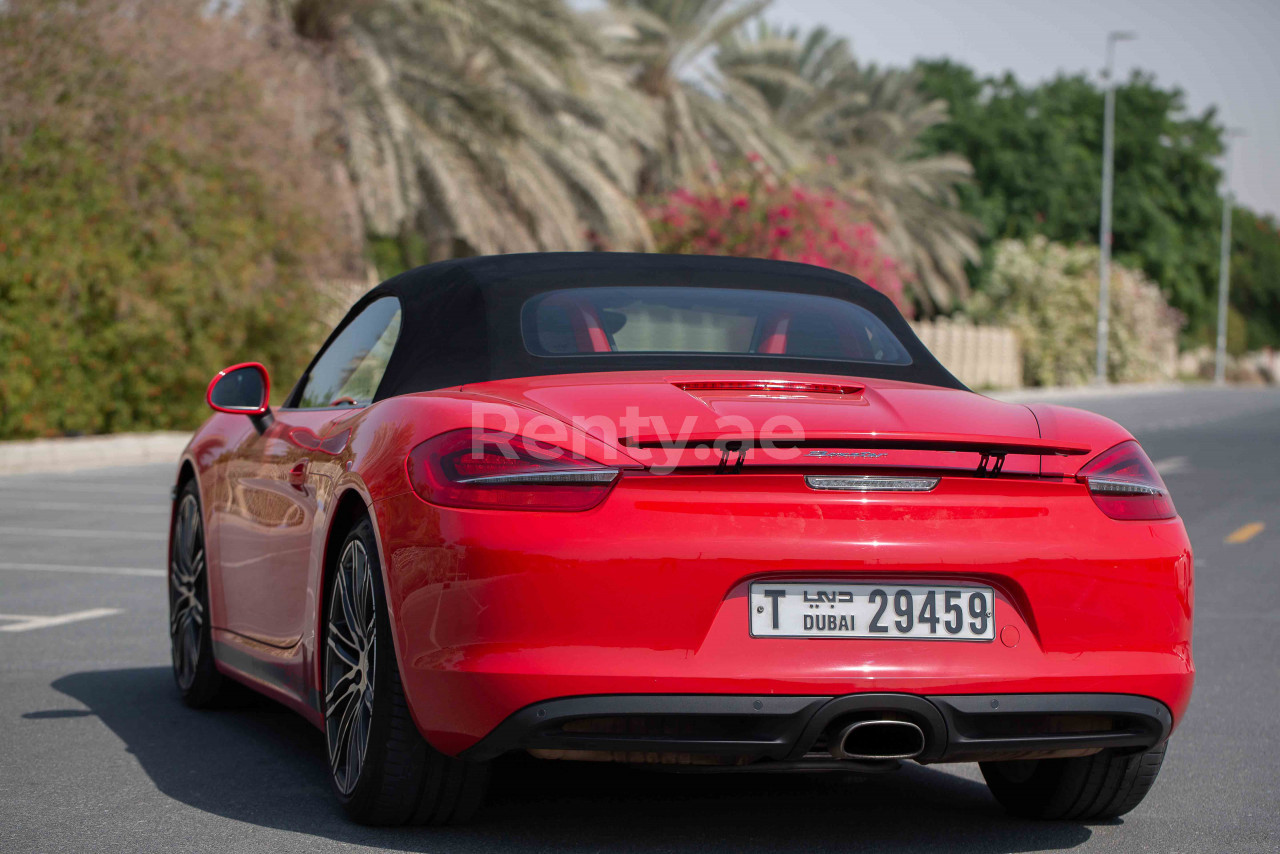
760 217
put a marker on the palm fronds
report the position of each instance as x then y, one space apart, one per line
864 124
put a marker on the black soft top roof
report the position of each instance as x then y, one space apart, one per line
461 318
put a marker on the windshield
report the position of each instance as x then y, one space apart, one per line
709 321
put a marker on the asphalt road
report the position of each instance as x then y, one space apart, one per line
97 754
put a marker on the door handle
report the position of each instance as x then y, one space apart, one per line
298 476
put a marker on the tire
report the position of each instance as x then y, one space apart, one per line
380 767
1102 786
190 639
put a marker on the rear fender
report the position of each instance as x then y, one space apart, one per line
1065 424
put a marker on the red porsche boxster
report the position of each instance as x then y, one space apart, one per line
691 513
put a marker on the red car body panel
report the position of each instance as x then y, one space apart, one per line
495 610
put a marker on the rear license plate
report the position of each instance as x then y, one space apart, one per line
825 610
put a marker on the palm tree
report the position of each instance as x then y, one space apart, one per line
705 115
865 125
485 126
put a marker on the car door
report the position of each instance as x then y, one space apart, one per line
279 480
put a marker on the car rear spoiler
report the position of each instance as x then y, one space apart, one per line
992 449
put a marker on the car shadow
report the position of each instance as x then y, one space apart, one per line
260 763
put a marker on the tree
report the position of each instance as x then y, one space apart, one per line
1255 276
486 126
865 124
1036 155
705 116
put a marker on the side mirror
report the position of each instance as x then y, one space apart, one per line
243 389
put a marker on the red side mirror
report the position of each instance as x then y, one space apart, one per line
243 389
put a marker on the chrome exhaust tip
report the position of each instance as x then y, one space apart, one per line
878 739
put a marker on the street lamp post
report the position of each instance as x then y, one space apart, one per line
1104 228
1224 258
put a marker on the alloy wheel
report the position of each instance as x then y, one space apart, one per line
350 661
186 607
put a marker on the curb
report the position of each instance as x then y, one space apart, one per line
91 452
1050 393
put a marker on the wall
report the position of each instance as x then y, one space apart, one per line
981 357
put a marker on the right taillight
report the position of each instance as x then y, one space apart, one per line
1125 484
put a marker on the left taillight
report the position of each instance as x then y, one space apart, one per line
481 469
1125 484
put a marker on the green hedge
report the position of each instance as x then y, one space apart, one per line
138 252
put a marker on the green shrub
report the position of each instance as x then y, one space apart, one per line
1255 280
1048 294
153 227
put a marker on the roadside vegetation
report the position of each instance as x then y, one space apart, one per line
1048 294
159 215
182 183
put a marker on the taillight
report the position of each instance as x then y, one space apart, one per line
1125 485
482 469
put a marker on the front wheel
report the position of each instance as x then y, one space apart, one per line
189 635
1102 786
381 768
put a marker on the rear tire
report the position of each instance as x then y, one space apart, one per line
381 768
1102 786
190 639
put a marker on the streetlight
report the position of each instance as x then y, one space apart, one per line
1224 257
1104 229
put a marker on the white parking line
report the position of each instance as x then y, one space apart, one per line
79 534
82 507
87 570
23 490
25 623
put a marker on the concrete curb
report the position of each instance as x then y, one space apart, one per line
1052 393
91 452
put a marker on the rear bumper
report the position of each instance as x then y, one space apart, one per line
648 594
957 728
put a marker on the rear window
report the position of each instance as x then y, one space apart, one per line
709 321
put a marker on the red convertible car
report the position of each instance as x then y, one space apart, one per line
694 514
